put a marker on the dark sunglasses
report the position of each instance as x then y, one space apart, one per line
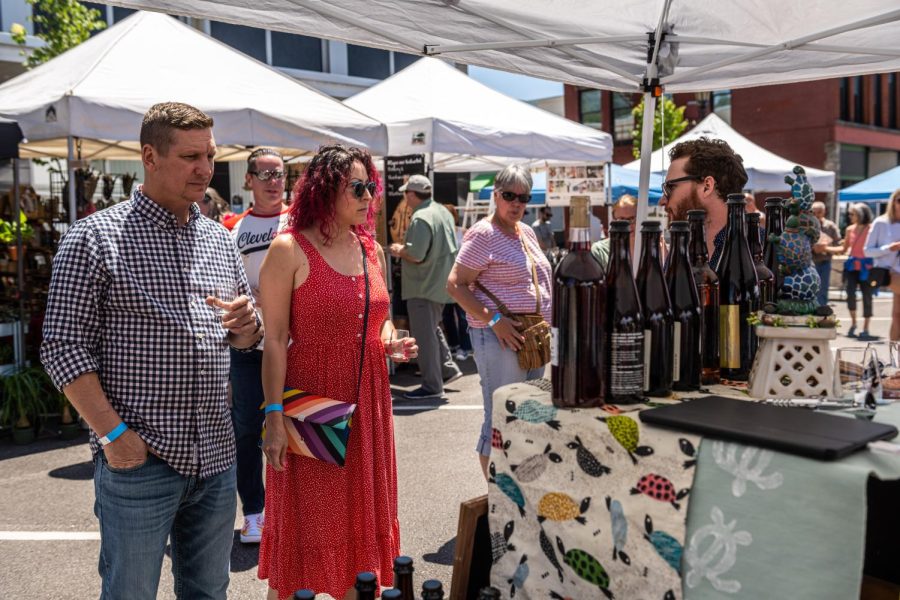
206 199
360 188
669 186
513 197
267 175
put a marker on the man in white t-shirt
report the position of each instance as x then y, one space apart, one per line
253 232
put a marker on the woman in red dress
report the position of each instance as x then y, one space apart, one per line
325 523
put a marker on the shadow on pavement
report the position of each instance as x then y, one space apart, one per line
78 472
243 556
47 439
443 555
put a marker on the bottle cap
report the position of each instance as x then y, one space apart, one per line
392 594
304 595
697 214
680 227
753 217
403 565
432 590
366 582
620 227
774 202
489 593
736 199
651 227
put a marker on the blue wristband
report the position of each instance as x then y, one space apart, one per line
114 434
495 320
274 408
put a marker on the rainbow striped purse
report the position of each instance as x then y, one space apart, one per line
321 426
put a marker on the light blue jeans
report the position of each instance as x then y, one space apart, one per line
141 508
496 367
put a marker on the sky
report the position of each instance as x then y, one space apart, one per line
520 87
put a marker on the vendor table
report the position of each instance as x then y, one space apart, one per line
584 504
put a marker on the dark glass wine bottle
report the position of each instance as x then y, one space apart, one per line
686 355
708 291
774 226
578 350
304 595
432 590
489 593
764 275
366 584
659 326
738 296
625 322
403 577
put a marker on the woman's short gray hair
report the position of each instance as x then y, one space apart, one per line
513 176
863 213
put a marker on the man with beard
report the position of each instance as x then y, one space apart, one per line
701 175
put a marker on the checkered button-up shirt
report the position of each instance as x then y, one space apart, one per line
127 301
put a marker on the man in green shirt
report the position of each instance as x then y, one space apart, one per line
427 257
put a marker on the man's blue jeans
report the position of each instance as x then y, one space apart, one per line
141 508
824 270
248 418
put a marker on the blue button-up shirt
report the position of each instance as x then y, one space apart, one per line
127 301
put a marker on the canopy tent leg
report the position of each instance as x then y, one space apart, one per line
70 167
19 331
644 182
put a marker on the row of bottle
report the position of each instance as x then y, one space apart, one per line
618 338
367 585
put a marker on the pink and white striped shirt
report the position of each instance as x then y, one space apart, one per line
504 268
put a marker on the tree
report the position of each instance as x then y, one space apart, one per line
668 121
62 24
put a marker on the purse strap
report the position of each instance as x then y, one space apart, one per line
537 288
362 349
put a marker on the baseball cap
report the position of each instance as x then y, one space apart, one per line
416 183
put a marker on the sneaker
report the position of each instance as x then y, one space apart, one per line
251 532
453 377
421 394
865 336
852 331
462 354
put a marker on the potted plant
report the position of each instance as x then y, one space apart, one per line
8 234
24 399
69 427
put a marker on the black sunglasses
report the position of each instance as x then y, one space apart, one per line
207 199
360 187
267 175
514 197
669 186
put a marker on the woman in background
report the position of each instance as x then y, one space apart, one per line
856 269
883 246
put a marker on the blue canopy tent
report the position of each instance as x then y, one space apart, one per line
879 187
624 181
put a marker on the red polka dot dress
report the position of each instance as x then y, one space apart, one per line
326 523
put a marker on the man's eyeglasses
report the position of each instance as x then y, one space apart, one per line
514 197
669 186
360 187
267 175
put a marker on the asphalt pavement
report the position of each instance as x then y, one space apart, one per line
49 537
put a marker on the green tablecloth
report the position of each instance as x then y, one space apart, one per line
759 524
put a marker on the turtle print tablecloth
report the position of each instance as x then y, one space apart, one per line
581 507
585 503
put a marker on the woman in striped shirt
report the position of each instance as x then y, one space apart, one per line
498 253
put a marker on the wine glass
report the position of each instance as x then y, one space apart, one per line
226 292
856 374
889 371
398 348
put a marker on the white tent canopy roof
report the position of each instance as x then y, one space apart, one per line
433 107
101 89
765 170
601 43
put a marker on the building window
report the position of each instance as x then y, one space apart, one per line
854 164
590 108
623 120
296 51
721 104
892 101
858 112
120 12
368 62
401 60
248 40
876 91
845 99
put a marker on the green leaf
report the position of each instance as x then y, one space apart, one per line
63 23
668 120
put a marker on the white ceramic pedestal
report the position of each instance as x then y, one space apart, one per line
792 362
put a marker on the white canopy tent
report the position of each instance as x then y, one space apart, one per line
635 46
765 170
432 107
98 92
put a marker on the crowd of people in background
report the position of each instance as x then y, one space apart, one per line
294 295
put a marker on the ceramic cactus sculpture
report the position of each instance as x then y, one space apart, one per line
800 281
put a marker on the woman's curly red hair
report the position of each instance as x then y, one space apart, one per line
315 193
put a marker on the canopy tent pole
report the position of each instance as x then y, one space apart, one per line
643 205
70 167
431 168
19 331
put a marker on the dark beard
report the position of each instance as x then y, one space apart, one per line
693 202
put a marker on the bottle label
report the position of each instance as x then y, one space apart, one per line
676 352
627 359
554 346
648 343
729 336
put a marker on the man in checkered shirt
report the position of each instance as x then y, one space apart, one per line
137 340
